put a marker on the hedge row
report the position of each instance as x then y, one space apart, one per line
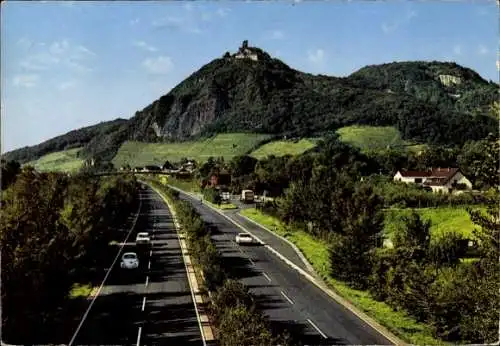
233 307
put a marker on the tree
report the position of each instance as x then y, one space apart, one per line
480 160
242 165
9 171
360 234
413 240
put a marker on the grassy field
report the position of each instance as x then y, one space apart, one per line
316 253
227 145
376 138
284 147
443 221
65 161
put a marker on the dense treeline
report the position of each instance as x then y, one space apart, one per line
54 232
329 196
233 309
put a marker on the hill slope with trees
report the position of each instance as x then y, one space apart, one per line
429 102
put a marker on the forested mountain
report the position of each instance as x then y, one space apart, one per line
249 91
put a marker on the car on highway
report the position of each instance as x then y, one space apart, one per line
142 238
129 261
244 238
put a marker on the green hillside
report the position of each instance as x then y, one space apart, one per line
227 145
375 138
284 147
64 161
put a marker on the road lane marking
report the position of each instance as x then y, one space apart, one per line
147 279
143 303
251 261
286 297
267 277
150 253
149 265
317 329
139 336
106 276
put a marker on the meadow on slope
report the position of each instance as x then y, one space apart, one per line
376 138
63 161
226 145
284 147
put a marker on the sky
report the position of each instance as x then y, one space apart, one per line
69 64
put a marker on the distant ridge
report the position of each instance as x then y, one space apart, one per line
249 91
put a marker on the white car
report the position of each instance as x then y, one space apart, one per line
142 238
244 238
129 261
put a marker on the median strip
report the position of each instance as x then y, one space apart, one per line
203 320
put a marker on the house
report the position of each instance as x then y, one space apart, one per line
220 178
138 169
437 179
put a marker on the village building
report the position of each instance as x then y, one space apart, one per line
438 179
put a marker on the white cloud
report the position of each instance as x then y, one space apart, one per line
145 46
277 35
159 65
24 43
134 21
66 85
387 28
482 50
317 56
222 12
206 16
57 53
26 80
59 47
457 49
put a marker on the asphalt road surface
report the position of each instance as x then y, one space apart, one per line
289 299
153 305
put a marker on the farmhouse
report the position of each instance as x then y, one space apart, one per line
438 179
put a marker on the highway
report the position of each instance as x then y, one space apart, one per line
154 306
289 299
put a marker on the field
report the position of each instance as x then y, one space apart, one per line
284 147
443 221
225 145
316 252
376 138
64 161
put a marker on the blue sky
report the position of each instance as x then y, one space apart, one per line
67 65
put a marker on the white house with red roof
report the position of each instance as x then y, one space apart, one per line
438 179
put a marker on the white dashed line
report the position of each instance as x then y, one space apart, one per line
267 277
139 336
251 261
143 303
286 297
147 279
315 327
150 253
149 265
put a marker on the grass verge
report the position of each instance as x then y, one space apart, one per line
80 291
316 252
